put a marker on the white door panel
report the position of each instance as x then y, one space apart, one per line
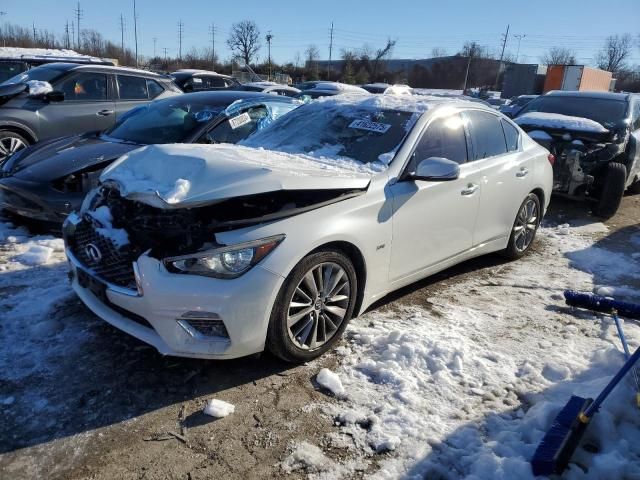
506 181
432 221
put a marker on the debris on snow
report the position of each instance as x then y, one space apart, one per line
218 408
331 381
36 255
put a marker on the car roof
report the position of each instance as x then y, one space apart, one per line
66 66
588 94
192 72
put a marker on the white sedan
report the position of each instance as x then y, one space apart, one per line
221 251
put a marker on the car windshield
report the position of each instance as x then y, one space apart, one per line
336 130
44 74
607 112
166 121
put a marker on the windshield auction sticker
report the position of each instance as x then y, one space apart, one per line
370 126
240 120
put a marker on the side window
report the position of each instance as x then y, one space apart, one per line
216 82
487 136
511 135
154 88
87 87
132 88
236 128
444 137
636 115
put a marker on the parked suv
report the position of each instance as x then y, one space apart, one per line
61 99
595 137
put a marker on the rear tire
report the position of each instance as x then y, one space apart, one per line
524 229
11 142
612 191
310 312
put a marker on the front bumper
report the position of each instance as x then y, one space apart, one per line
152 312
37 200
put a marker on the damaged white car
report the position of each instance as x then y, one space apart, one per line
222 251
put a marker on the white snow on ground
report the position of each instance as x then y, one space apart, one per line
465 383
218 408
556 120
331 381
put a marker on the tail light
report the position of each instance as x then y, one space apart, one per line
552 158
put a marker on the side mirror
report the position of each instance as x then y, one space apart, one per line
54 96
436 169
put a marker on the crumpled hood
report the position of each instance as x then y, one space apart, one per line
179 176
57 158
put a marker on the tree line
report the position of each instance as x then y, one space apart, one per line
363 65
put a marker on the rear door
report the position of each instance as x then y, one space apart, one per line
506 173
434 220
133 91
88 105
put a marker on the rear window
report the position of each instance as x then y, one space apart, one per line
132 88
606 111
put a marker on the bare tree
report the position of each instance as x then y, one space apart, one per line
559 56
475 50
381 54
437 52
244 40
349 57
312 55
617 49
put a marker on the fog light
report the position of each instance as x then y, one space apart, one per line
203 325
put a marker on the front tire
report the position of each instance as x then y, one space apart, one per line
615 179
524 228
10 143
313 307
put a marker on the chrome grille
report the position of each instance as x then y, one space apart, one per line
115 265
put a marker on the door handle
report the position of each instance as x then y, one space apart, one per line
523 172
104 113
470 190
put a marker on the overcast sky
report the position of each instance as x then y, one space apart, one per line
418 25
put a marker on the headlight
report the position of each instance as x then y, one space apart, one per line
225 262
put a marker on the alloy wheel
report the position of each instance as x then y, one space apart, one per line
526 225
318 306
10 145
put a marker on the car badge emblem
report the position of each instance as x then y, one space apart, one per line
93 253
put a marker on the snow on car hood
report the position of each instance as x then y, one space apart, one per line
558 121
179 176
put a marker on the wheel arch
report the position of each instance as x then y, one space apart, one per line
20 130
359 264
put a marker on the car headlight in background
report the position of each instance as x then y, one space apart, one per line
225 262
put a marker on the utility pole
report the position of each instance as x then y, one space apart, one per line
135 29
78 12
35 35
269 37
466 75
212 31
66 35
165 54
155 41
122 33
330 50
505 37
519 37
180 31
73 31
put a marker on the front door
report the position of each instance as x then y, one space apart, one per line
434 220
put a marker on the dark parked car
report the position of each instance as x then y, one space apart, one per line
190 80
516 104
47 181
595 137
67 98
270 87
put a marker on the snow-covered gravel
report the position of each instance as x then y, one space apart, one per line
466 384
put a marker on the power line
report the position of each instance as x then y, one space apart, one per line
67 43
519 36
